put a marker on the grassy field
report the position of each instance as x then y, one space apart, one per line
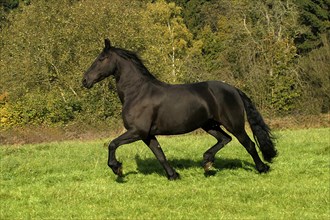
71 180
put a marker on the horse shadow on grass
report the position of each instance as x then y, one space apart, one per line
149 166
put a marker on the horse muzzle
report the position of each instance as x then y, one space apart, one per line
87 84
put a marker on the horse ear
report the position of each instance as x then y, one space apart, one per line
107 44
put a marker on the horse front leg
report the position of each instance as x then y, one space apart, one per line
126 138
154 146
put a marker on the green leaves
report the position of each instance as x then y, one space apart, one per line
315 19
47 46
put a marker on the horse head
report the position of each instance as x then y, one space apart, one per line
102 67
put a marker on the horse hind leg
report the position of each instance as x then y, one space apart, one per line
222 137
245 140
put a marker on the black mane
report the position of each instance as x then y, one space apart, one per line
133 57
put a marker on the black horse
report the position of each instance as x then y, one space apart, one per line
152 107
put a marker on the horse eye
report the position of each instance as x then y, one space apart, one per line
101 58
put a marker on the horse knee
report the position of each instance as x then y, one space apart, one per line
112 146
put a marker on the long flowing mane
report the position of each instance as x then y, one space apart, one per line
134 58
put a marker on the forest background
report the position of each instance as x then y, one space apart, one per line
277 51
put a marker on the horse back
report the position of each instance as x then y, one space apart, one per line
174 109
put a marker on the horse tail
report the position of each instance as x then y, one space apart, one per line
261 132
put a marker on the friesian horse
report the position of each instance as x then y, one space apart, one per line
151 107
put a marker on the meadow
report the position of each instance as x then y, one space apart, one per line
71 180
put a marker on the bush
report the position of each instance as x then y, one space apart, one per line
39 109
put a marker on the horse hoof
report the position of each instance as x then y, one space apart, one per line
175 176
210 173
117 169
120 171
263 168
208 166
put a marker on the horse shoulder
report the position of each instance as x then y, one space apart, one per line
139 112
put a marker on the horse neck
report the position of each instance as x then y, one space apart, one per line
129 79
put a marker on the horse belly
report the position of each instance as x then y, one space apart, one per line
180 117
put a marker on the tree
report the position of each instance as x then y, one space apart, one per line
249 43
314 73
168 53
56 41
315 19
5 7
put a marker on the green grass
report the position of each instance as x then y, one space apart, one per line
71 180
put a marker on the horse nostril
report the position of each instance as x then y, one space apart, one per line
84 82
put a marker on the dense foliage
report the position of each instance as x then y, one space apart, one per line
275 50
